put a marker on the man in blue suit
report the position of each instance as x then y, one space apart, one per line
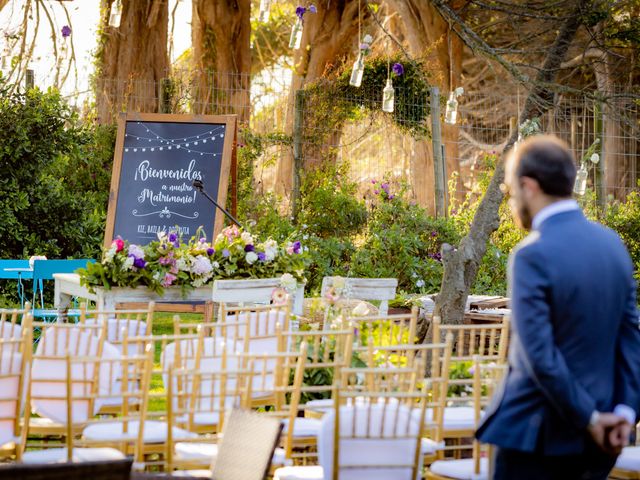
575 349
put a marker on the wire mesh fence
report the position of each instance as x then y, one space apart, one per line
351 127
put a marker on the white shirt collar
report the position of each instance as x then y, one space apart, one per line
555 208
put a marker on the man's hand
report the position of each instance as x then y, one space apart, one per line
608 431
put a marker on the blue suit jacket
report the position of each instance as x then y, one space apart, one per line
575 345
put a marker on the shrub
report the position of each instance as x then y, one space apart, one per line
624 218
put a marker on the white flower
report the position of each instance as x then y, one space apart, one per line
215 264
181 264
201 265
251 258
162 235
459 91
288 282
247 238
367 39
109 254
360 310
595 158
270 254
420 283
128 264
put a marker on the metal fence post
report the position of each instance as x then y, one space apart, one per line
600 179
438 159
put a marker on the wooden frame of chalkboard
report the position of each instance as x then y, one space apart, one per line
135 127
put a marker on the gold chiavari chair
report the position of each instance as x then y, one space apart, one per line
192 393
56 340
490 342
372 433
85 383
11 321
486 376
15 358
279 375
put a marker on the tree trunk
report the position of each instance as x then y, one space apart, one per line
128 75
461 264
221 31
328 37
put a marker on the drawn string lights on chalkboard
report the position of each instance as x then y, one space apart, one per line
178 143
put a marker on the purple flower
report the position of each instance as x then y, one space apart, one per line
262 256
226 253
376 191
300 11
398 69
296 247
168 280
434 233
203 240
249 248
173 237
391 197
138 262
364 46
176 244
66 31
385 187
373 182
210 251
313 9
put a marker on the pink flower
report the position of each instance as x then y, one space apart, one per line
331 296
119 244
290 250
231 232
279 296
168 280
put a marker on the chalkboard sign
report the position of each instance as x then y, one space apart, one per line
157 159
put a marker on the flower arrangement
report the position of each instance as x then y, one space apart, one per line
169 261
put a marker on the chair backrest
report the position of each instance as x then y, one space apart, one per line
12 275
374 434
489 341
15 358
247 446
381 289
12 321
44 269
135 323
255 326
382 330
48 374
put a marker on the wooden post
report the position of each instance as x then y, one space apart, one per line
166 95
298 118
30 79
234 171
438 160
598 130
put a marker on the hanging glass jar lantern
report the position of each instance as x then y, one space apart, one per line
265 7
358 71
580 187
388 97
116 14
296 35
451 112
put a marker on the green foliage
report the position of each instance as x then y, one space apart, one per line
329 206
624 218
403 242
54 177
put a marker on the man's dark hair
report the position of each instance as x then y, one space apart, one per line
549 161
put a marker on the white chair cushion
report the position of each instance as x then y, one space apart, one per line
455 418
629 459
299 473
303 427
429 447
202 418
154 432
191 473
207 452
59 455
460 469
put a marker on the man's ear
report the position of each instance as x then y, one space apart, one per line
530 185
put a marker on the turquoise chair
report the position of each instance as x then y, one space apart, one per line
16 275
43 270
